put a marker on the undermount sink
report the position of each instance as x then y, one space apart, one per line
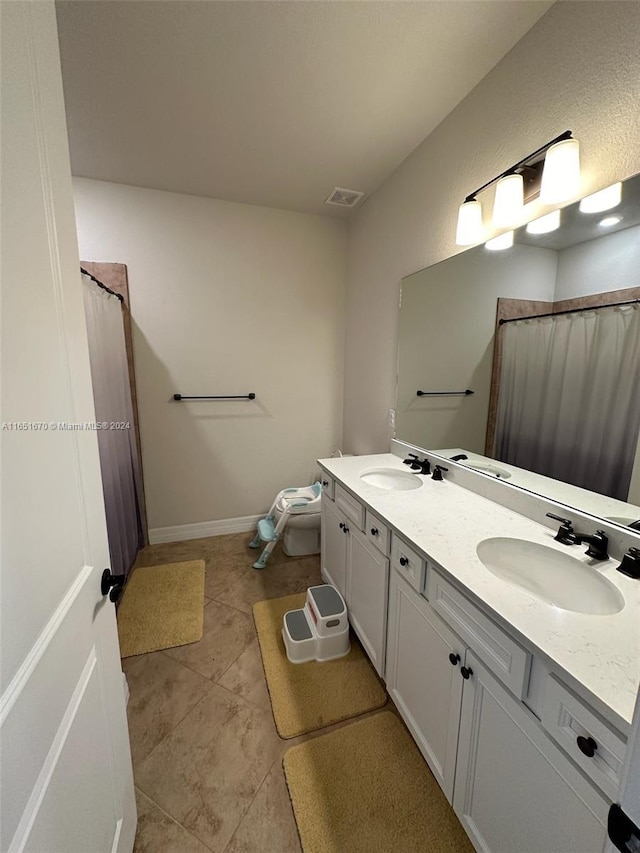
488 468
550 575
390 479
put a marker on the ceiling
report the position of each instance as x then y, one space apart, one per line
270 102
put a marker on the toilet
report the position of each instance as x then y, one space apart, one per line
302 532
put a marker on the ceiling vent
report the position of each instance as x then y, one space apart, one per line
343 198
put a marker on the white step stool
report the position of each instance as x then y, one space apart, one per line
320 630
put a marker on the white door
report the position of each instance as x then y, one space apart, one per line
66 779
626 823
423 677
514 789
368 586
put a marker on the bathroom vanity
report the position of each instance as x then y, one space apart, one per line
520 699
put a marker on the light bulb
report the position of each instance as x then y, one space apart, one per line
544 224
508 201
561 173
503 241
603 200
608 221
469 228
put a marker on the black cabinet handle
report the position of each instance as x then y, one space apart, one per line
404 561
375 531
466 672
587 746
341 526
454 659
325 483
345 529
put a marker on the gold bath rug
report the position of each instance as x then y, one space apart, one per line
309 696
365 788
161 607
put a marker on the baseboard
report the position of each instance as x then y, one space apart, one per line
202 529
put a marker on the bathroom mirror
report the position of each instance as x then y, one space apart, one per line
448 331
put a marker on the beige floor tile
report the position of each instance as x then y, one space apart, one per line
162 691
158 833
269 824
245 677
227 633
207 771
278 579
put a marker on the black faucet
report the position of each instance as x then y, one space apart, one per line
437 472
426 467
630 564
413 462
635 525
458 457
598 542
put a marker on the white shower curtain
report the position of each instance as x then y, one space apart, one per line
119 461
569 400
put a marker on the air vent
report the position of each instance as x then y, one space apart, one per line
343 198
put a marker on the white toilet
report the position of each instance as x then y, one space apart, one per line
302 533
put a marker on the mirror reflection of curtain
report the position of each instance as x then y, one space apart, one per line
119 463
569 404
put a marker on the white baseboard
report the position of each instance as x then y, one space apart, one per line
201 529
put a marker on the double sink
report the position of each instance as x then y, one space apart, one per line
551 576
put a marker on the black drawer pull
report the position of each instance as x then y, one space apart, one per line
454 659
345 529
466 672
587 746
325 483
375 531
341 526
404 561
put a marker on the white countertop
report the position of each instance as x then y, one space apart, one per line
599 656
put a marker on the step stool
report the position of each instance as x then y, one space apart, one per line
320 630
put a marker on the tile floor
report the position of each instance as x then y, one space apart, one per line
207 760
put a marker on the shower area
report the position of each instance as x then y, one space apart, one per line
106 304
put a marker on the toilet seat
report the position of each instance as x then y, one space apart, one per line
303 501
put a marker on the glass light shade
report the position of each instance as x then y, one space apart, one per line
603 200
544 224
503 241
508 201
469 228
561 173
609 221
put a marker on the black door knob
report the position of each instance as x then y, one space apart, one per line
454 659
404 561
466 672
587 746
374 531
111 585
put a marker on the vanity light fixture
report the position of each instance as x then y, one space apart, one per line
545 224
551 171
609 221
502 241
602 200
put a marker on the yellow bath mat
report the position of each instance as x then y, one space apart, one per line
161 607
365 788
310 696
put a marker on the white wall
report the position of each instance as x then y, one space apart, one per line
226 298
446 335
578 68
612 262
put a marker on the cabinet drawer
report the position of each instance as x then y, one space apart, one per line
407 562
377 532
350 506
566 718
328 485
505 658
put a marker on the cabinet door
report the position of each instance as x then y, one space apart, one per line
421 679
514 789
368 586
334 548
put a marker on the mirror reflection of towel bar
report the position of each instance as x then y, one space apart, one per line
251 396
444 393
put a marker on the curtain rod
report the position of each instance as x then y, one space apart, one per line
103 286
502 321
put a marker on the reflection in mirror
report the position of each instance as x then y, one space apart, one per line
556 398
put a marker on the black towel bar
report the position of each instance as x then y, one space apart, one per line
251 396
444 393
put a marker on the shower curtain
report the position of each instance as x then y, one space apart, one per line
121 473
569 404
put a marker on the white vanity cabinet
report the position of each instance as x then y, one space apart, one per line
514 789
355 560
423 677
